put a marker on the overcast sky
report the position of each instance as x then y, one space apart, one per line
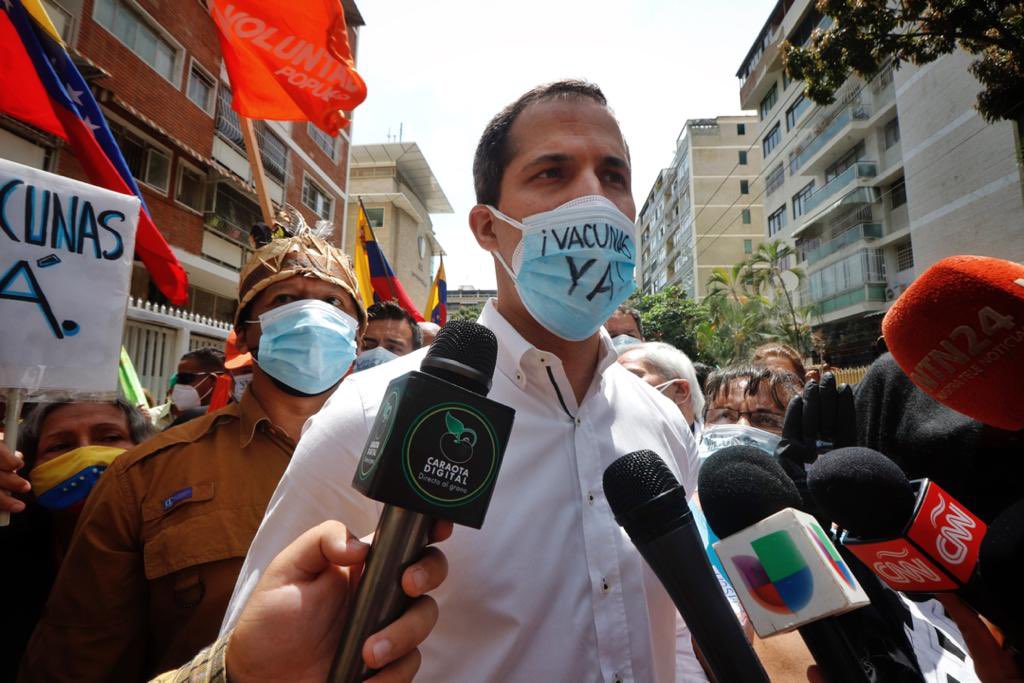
442 69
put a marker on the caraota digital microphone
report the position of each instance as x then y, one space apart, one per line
784 567
433 452
649 503
958 333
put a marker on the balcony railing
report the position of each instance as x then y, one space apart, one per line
862 231
860 169
856 111
870 292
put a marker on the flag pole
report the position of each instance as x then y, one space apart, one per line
252 149
382 264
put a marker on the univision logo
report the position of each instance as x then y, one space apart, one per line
778 577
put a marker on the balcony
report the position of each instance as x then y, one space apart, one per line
855 111
862 231
836 186
867 293
855 279
755 85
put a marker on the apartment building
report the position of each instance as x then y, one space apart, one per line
156 70
898 173
703 212
399 191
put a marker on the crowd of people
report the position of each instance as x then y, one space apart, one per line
207 532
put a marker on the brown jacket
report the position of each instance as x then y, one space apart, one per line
158 548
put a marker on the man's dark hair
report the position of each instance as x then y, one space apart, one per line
209 359
389 310
635 315
494 150
703 370
782 386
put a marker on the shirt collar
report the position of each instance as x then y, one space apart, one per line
513 348
251 414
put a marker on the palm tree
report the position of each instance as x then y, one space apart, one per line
731 283
766 268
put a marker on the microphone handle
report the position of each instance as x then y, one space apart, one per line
399 540
832 652
678 558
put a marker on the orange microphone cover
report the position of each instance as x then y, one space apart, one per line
958 332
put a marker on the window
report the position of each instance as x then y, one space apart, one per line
745 216
376 217
190 187
800 198
226 121
741 129
775 179
200 88
146 163
897 194
768 102
846 161
744 187
316 199
892 132
904 256
743 158
134 31
273 153
796 110
786 80
777 221
322 140
748 246
771 140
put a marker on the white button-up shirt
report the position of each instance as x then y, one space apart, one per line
551 588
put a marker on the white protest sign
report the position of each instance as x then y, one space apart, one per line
65 269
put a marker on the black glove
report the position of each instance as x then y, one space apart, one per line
822 419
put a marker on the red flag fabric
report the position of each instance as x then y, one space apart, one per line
42 86
289 60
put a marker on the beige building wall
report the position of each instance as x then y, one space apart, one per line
964 185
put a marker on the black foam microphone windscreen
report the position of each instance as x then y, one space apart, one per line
748 474
863 491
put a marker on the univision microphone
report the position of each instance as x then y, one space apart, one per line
917 538
650 504
434 452
958 333
786 571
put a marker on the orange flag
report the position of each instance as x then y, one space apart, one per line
289 61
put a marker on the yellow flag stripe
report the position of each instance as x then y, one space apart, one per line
38 13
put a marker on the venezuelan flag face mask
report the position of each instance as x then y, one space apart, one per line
66 480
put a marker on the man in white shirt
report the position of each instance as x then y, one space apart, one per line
550 588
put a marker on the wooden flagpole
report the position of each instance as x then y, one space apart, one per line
252 149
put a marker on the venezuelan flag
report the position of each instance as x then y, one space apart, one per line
40 85
377 281
437 302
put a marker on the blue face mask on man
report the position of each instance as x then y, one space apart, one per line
307 345
574 264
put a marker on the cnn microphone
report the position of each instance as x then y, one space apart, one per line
958 333
434 452
650 504
785 569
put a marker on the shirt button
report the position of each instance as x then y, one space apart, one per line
617 678
604 586
578 422
590 498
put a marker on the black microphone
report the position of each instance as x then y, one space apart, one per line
649 503
434 452
740 487
915 536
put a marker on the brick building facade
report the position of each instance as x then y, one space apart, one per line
155 68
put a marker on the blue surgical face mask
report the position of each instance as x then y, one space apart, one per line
574 264
372 358
621 341
717 437
307 345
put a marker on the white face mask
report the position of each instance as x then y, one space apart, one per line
717 437
185 397
241 382
665 385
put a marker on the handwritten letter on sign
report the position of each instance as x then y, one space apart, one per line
65 268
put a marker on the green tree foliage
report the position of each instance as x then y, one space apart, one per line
670 316
470 313
866 34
